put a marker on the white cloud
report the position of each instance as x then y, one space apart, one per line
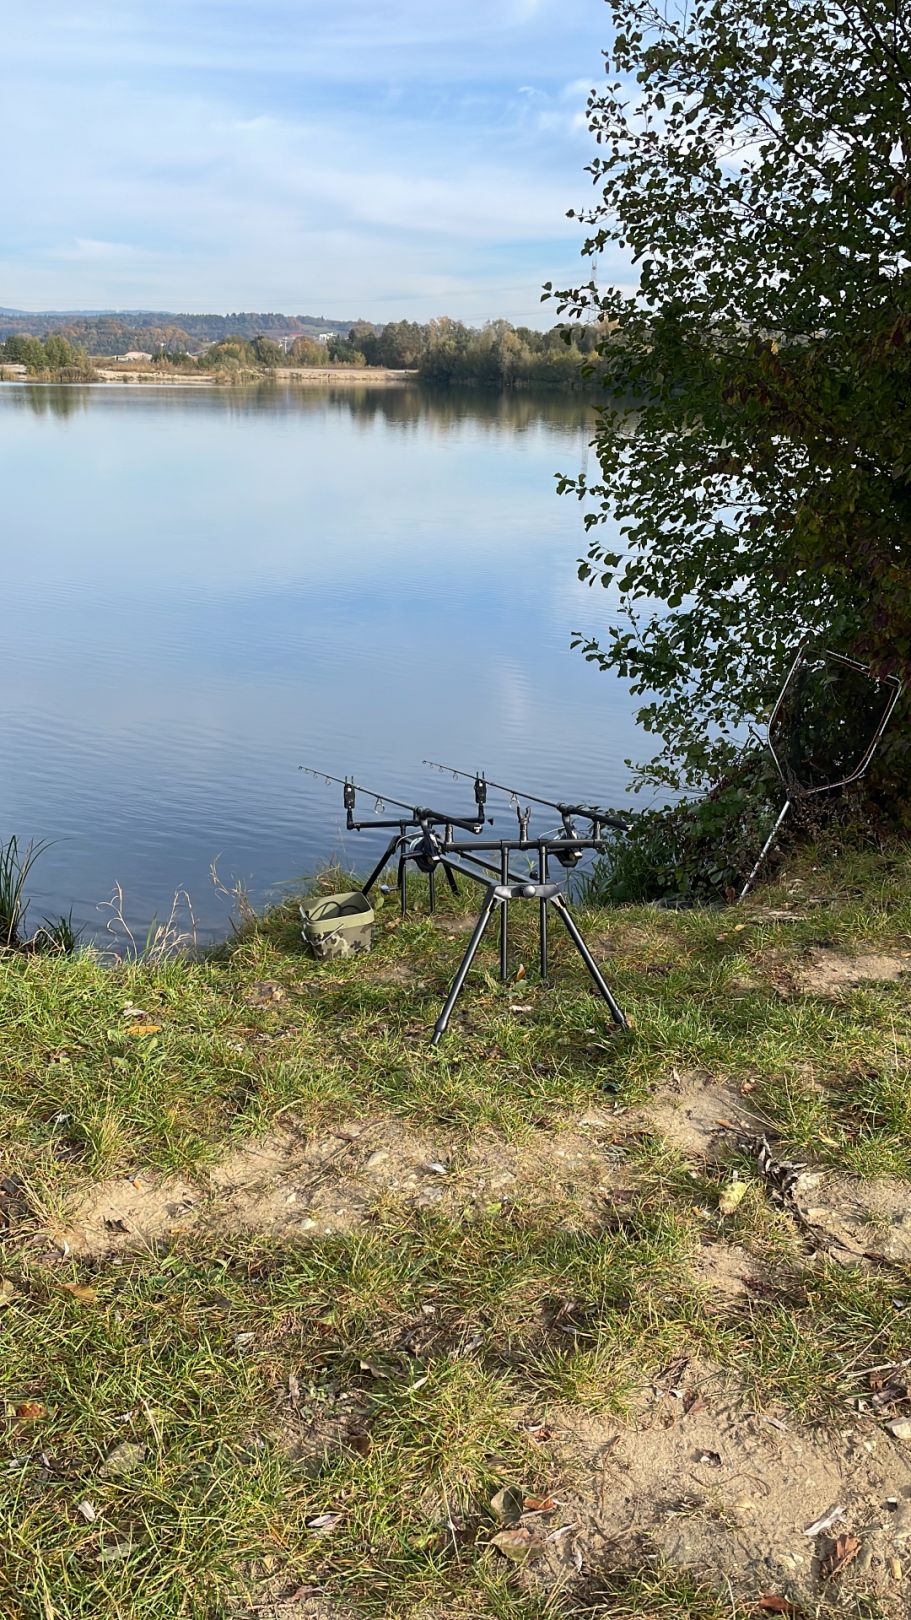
296 154
86 250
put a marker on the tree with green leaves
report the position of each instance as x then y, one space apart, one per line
306 351
267 353
754 165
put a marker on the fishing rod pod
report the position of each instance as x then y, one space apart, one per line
427 839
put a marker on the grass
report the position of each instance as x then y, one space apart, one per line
332 1416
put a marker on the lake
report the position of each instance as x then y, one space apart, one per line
208 587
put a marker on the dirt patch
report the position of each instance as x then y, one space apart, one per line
454 927
725 1270
870 1218
824 973
131 1211
698 1478
393 973
291 1185
695 1111
285 1598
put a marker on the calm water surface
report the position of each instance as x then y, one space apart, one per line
206 588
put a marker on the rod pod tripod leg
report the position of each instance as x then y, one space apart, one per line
501 894
490 900
575 934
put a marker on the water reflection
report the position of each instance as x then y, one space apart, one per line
399 405
211 586
47 399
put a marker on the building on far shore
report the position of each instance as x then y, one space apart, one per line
133 354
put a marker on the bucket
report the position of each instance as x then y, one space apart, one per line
338 924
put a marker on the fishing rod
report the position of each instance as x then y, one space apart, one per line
590 812
418 815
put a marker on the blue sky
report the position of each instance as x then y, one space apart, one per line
383 158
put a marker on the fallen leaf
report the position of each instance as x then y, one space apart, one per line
774 1422
520 971
142 1029
537 1431
731 1197
538 1504
694 1402
81 1291
506 1504
842 1552
560 1532
895 1568
826 1522
771 1604
323 1521
124 1459
359 1439
113 1551
89 1513
517 1545
382 1367
31 1411
8 1291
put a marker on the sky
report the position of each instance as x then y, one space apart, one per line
376 158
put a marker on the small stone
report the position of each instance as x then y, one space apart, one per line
900 1428
377 1158
507 1504
895 1568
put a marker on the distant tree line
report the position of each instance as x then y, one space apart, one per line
442 351
51 355
160 329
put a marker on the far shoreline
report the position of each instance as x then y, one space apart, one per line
144 377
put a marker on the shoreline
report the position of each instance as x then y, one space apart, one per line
309 376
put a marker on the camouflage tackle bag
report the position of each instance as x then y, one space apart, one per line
338 924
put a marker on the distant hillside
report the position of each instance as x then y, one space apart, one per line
117 331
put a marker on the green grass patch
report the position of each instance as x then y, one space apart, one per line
335 1414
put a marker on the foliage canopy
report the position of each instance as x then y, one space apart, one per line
754 162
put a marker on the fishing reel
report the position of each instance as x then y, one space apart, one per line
424 851
566 857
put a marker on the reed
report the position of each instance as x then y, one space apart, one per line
15 866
